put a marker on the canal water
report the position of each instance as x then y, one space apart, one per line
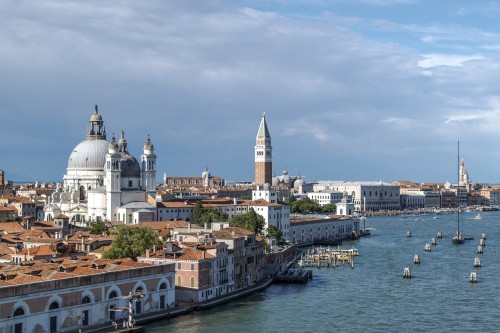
374 297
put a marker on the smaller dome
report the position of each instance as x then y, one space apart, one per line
148 145
95 117
298 182
267 187
129 166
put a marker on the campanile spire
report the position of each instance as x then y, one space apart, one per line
263 154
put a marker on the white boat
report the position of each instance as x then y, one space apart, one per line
478 217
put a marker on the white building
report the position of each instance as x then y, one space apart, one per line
306 230
366 196
103 176
325 197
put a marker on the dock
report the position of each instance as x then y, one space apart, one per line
327 257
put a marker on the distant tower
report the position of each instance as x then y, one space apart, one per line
464 175
263 155
205 176
113 180
2 180
148 159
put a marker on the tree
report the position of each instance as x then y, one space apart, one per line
207 215
197 212
274 232
329 208
131 242
250 221
305 205
98 228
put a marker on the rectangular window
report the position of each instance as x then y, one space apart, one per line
179 265
192 267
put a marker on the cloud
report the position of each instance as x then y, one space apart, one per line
196 76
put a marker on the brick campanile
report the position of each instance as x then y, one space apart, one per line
263 155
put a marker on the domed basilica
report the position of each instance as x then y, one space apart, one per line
104 181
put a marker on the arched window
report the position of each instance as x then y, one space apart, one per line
179 280
192 281
113 294
163 286
139 289
85 300
19 312
54 305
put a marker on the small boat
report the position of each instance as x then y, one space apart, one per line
408 233
478 217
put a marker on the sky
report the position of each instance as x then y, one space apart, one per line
352 89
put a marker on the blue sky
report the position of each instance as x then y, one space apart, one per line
352 89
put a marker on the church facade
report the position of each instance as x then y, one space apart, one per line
102 177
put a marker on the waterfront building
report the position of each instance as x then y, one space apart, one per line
492 195
448 199
413 201
71 294
103 176
307 229
203 270
263 154
366 196
476 199
416 196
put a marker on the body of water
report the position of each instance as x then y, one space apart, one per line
374 297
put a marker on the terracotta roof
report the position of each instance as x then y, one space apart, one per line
191 254
42 250
11 227
8 209
61 216
231 233
157 225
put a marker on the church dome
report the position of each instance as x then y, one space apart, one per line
89 154
129 165
298 182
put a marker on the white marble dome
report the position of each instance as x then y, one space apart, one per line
89 154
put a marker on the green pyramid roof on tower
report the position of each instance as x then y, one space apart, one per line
263 130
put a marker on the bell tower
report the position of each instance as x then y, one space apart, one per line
148 159
113 180
263 154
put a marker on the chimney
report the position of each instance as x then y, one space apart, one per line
235 201
147 253
205 229
202 254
